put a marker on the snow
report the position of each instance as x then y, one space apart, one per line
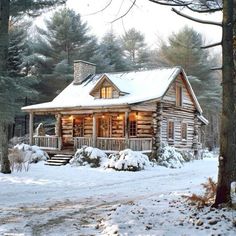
156 82
67 200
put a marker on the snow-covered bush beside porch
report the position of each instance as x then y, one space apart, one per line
89 156
32 154
128 160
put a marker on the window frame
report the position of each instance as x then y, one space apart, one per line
133 125
179 95
186 131
168 130
105 91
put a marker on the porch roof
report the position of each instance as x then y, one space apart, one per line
138 86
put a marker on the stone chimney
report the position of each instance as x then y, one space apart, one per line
82 69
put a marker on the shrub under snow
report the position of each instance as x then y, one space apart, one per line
128 160
93 157
170 157
206 154
32 154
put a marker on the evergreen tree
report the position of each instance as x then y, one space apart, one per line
18 48
65 39
134 46
111 50
10 87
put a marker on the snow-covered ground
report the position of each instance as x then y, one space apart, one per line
69 200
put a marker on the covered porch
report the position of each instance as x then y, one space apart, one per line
108 131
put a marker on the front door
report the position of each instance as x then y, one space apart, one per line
103 128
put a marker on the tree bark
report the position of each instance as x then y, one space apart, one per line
5 164
4 19
4 39
228 119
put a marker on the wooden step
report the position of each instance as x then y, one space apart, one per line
58 160
61 158
52 164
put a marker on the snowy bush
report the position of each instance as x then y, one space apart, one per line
128 160
33 154
93 157
206 154
170 157
187 155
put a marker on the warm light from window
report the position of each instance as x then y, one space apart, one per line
106 92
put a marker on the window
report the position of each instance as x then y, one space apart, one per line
184 129
132 125
179 96
171 129
106 92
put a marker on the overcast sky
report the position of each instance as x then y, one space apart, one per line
153 20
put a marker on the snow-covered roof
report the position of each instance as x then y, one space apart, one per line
138 86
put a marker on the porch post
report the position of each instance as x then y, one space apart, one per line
31 127
195 136
94 131
126 129
157 123
58 130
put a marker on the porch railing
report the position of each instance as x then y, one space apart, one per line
48 142
81 141
113 144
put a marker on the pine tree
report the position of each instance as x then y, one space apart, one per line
135 50
65 39
9 86
110 48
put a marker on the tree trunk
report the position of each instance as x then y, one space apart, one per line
4 19
228 120
5 165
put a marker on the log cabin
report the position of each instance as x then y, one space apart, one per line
114 111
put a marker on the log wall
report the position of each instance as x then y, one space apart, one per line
178 114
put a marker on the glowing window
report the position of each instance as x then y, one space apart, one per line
106 92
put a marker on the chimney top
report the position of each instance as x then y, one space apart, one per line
82 69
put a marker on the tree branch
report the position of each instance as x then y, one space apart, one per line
167 3
101 10
211 45
216 68
196 19
125 12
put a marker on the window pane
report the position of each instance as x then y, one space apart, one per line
170 130
184 131
178 95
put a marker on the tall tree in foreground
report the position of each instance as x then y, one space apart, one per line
227 158
8 84
4 40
